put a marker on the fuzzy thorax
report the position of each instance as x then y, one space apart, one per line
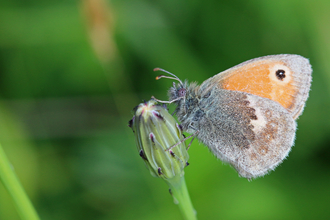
186 97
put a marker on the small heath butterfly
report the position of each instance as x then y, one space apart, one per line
246 114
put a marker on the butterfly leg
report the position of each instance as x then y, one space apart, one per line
193 135
180 142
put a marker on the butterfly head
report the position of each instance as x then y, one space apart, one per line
177 92
182 94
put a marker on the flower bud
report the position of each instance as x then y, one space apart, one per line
156 132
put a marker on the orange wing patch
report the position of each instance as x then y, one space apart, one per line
271 80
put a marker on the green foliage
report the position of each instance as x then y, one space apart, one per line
64 109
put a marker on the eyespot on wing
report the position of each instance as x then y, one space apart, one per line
283 78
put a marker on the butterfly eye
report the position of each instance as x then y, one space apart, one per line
280 74
182 92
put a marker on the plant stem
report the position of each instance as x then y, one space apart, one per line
181 196
14 188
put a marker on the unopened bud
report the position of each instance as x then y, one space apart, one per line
156 132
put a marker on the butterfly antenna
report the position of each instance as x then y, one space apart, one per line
168 77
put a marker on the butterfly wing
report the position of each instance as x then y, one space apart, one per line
251 133
283 78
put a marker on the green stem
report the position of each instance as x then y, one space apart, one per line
181 196
16 191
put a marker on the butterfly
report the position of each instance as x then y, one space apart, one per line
247 114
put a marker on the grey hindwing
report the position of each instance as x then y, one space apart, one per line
252 133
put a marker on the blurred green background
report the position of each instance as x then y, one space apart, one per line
71 72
